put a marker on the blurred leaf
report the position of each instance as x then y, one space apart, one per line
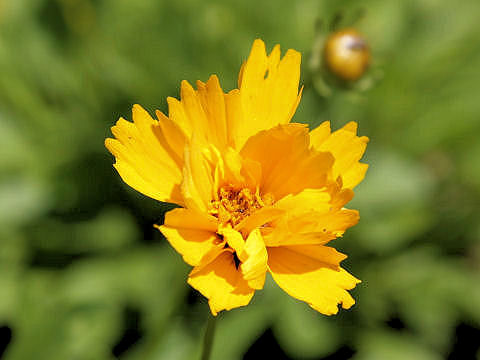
237 330
112 229
303 332
394 199
22 199
385 345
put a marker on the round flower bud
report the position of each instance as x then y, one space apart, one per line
347 54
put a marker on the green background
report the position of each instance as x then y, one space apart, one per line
82 268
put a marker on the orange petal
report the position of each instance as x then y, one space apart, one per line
312 274
222 283
252 173
288 163
259 218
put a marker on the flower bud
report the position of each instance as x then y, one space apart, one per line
347 54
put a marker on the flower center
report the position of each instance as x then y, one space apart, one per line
233 205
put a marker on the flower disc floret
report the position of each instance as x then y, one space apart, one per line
233 205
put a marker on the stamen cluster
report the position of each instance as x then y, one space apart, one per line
233 205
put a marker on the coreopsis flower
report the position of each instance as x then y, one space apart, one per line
256 192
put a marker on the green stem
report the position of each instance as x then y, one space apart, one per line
208 339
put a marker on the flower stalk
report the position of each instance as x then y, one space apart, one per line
208 337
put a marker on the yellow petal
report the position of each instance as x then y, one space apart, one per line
211 97
172 135
340 197
354 175
150 188
254 260
347 149
288 164
233 238
258 219
310 227
177 114
222 283
306 201
190 219
202 113
287 238
312 274
320 134
240 74
234 113
268 89
194 111
143 158
198 181
192 244
335 222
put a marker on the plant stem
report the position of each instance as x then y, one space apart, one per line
208 339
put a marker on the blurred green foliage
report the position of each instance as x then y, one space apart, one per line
79 258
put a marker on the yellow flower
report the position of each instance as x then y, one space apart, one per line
257 193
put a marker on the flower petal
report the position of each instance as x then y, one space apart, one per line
143 158
320 134
254 260
234 113
212 99
198 183
310 227
258 218
192 244
312 274
177 114
288 163
193 110
222 283
173 136
202 112
268 89
190 219
233 238
353 176
346 147
191 233
306 200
